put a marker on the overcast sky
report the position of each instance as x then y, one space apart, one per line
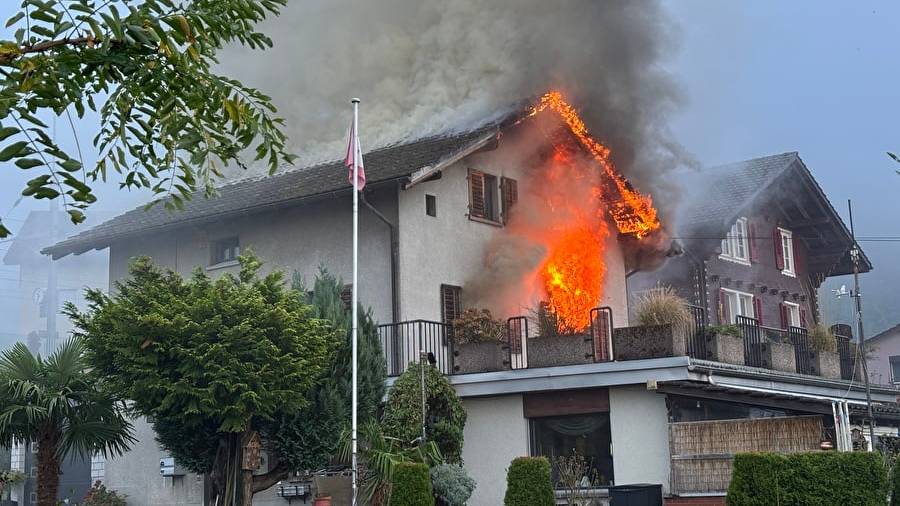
761 77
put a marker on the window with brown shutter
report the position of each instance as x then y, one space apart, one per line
510 189
484 202
451 306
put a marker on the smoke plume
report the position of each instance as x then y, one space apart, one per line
425 67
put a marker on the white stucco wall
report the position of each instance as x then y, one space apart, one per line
496 432
290 239
452 249
640 435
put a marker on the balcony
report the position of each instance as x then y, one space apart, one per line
525 343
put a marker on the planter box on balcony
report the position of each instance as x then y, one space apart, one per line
725 348
649 341
825 364
559 350
778 356
478 357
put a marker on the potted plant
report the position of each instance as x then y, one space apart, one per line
664 326
725 343
477 340
824 359
555 344
777 352
322 500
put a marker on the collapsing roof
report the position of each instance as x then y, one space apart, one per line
719 196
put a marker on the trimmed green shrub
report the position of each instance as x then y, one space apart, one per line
445 417
452 485
895 482
411 485
528 483
821 479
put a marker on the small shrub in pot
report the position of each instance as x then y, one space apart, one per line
476 326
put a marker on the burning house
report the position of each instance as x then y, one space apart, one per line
528 217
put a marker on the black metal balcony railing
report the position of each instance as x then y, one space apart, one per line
403 342
752 340
845 352
696 338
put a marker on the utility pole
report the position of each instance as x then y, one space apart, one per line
861 355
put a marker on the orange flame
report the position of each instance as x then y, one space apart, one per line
574 269
634 213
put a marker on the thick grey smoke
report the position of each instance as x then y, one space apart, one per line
423 67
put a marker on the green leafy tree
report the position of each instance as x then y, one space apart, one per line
445 417
167 122
211 363
309 438
99 495
56 403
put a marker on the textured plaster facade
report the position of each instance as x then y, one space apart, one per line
640 435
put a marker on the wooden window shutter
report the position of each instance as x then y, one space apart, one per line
724 310
785 317
803 318
757 309
754 247
450 303
779 250
510 190
476 194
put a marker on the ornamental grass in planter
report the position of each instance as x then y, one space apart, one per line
824 359
477 339
664 325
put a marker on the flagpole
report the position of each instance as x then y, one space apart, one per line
355 290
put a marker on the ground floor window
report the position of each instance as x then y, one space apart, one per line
588 435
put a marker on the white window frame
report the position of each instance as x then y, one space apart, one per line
787 252
736 245
734 300
793 314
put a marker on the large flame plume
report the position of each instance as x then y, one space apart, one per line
573 271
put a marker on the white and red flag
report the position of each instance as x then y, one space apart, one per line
354 157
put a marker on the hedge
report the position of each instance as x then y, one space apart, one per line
808 479
411 485
528 483
895 482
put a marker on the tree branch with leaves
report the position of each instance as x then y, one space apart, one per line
167 122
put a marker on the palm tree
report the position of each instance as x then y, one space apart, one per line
57 404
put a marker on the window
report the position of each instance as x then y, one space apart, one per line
347 296
735 303
790 315
451 306
225 250
786 250
483 197
735 247
586 434
895 369
34 471
430 205
33 497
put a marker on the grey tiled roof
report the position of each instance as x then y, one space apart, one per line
717 196
385 164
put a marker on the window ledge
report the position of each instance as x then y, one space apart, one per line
734 260
789 274
223 265
485 221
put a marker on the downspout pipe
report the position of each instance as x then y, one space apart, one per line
395 257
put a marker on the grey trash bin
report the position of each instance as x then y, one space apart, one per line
638 494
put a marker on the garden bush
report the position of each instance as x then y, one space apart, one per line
99 495
452 485
411 485
820 478
477 326
445 417
528 483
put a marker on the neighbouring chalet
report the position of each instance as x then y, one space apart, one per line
883 356
432 210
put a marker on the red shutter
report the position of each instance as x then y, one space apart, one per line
754 248
724 313
785 317
779 250
757 309
803 318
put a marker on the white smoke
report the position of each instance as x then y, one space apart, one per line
423 67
